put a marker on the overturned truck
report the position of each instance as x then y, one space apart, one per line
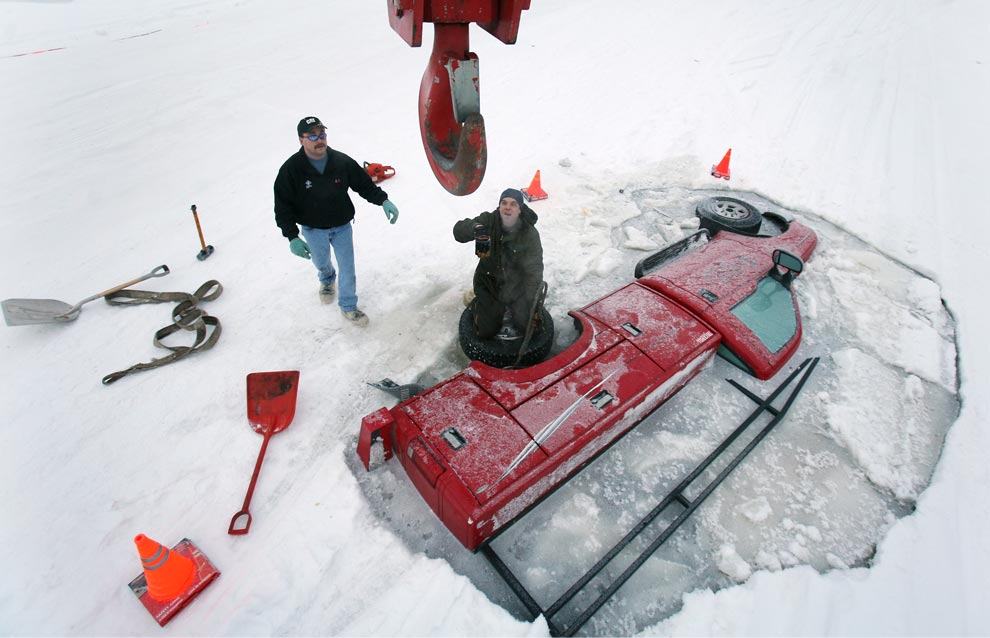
487 444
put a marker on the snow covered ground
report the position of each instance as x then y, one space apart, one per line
867 115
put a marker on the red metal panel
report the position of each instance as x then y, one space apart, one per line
424 460
498 17
405 433
729 267
799 239
512 387
456 508
460 10
491 437
406 18
622 372
730 274
666 332
513 498
506 27
376 424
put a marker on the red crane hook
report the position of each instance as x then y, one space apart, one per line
450 120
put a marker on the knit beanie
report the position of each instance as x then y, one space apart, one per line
514 194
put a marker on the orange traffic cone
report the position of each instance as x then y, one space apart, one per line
722 170
168 573
534 191
172 578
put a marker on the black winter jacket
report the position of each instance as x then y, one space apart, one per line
515 264
304 196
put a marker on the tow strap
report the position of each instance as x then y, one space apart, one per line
185 316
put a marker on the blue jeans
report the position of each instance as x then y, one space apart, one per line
338 241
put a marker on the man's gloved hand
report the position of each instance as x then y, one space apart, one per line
299 248
482 241
390 211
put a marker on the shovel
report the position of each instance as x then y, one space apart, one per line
271 404
22 312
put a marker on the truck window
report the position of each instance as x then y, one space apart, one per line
769 312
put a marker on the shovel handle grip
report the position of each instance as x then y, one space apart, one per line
158 271
235 529
239 527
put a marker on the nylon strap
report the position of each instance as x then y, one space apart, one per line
185 316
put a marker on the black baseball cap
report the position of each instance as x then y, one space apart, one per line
307 123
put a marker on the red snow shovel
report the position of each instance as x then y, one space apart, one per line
271 404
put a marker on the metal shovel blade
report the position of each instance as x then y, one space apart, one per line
271 404
23 312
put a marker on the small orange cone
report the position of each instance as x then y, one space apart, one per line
722 170
534 191
168 574
171 577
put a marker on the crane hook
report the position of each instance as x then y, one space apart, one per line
450 120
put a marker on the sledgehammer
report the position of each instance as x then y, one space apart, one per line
207 250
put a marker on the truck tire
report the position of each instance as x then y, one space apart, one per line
728 213
502 354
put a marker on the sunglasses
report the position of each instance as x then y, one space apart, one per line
312 137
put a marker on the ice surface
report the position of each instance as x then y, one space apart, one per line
882 419
851 457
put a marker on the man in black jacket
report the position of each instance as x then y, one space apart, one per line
311 191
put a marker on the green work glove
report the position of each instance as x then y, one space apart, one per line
299 248
390 211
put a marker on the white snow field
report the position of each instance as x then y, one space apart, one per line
865 513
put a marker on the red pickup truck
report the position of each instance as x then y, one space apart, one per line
486 444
